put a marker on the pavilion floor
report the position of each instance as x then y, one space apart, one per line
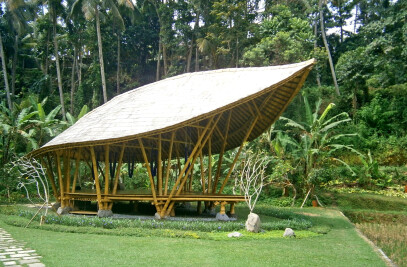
146 195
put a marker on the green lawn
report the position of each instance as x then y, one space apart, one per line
341 246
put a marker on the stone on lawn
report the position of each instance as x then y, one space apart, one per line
289 232
235 234
253 223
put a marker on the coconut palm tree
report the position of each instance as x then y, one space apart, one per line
94 9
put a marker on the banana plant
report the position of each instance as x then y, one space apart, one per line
318 141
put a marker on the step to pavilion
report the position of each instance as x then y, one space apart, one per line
83 212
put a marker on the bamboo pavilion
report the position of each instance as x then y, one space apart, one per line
169 126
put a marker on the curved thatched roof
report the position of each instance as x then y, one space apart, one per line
179 101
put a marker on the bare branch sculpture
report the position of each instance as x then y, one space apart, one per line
31 172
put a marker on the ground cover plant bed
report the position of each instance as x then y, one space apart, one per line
84 245
272 219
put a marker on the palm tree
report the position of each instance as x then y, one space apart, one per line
4 66
54 7
92 9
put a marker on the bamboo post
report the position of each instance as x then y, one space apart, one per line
222 207
202 172
238 153
199 207
117 174
200 146
159 169
167 203
61 184
209 164
107 174
75 176
232 209
215 184
95 173
50 177
167 174
150 175
67 171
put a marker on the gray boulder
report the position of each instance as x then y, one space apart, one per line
62 211
289 232
222 217
105 213
253 223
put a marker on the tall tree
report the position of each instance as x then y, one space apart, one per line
321 4
54 7
93 9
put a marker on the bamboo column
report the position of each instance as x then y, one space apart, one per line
197 147
75 176
95 173
107 174
202 172
50 175
117 174
209 164
67 171
167 173
159 169
150 175
225 138
61 184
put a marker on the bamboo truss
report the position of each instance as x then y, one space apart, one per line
173 151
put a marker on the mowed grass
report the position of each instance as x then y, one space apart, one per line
382 219
340 246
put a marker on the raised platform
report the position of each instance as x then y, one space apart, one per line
137 195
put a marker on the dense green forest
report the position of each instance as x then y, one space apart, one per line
61 58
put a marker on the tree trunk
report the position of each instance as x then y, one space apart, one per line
196 59
189 58
157 74
13 70
315 47
47 55
3 64
79 64
73 79
321 17
164 49
59 78
118 65
102 65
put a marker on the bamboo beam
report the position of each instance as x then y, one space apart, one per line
95 173
238 153
167 173
150 175
117 174
201 146
160 168
107 174
218 170
75 176
50 175
61 184
167 203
